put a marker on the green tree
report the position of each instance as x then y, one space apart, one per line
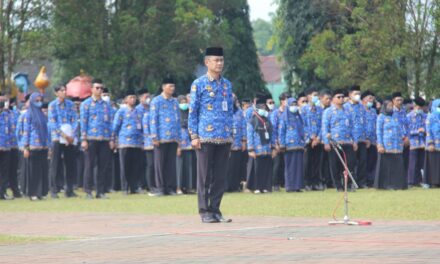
263 33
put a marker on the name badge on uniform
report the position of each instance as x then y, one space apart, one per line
106 118
266 135
225 105
234 131
7 130
138 126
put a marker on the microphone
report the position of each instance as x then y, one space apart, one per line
335 143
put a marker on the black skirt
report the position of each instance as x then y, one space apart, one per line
390 172
432 167
38 184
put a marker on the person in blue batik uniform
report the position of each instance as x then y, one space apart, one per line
278 161
5 146
401 114
166 135
238 158
261 146
96 121
19 132
186 162
62 114
312 117
432 164
357 115
148 148
36 143
368 100
337 126
127 133
142 108
14 153
292 142
417 134
390 139
210 127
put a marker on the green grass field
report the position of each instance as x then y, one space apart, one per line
10 240
413 204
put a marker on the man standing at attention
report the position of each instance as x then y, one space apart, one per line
210 126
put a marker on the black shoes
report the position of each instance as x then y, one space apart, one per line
70 195
209 219
101 196
221 219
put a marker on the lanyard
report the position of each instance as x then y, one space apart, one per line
261 120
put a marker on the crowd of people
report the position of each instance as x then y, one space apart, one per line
159 144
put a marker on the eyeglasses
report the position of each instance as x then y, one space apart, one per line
339 96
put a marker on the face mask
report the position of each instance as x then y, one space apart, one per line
315 99
357 98
147 101
419 111
293 109
183 107
6 106
369 104
318 103
106 98
262 112
271 106
38 104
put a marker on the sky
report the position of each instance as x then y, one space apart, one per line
261 9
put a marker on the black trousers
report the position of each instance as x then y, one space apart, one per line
337 168
212 164
361 175
371 164
187 170
5 156
23 174
312 164
236 168
250 173
68 153
13 171
149 170
130 164
80 164
38 173
97 151
278 170
263 173
165 167
324 169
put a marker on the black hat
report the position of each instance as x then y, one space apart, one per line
105 90
407 101
339 91
366 93
214 51
142 91
420 101
354 88
168 80
76 99
396 94
261 98
301 94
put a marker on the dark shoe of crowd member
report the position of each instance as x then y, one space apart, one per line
221 219
209 219
101 196
70 195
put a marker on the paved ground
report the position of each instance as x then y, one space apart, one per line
117 238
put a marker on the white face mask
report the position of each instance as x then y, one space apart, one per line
271 106
6 104
263 112
293 109
106 98
357 98
147 101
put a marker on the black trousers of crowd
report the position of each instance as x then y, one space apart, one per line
165 167
98 151
38 173
68 154
336 166
236 170
149 170
361 165
5 156
187 170
278 170
313 164
130 160
212 164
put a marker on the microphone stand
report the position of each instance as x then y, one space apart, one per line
346 221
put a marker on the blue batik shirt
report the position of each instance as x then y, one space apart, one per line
312 116
403 120
389 133
291 131
416 121
96 119
433 126
60 113
165 120
5 130
148 143
275 121
238 130
127 128
19 130
31 136
370 125
254 140
357 115
337 124
211 110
